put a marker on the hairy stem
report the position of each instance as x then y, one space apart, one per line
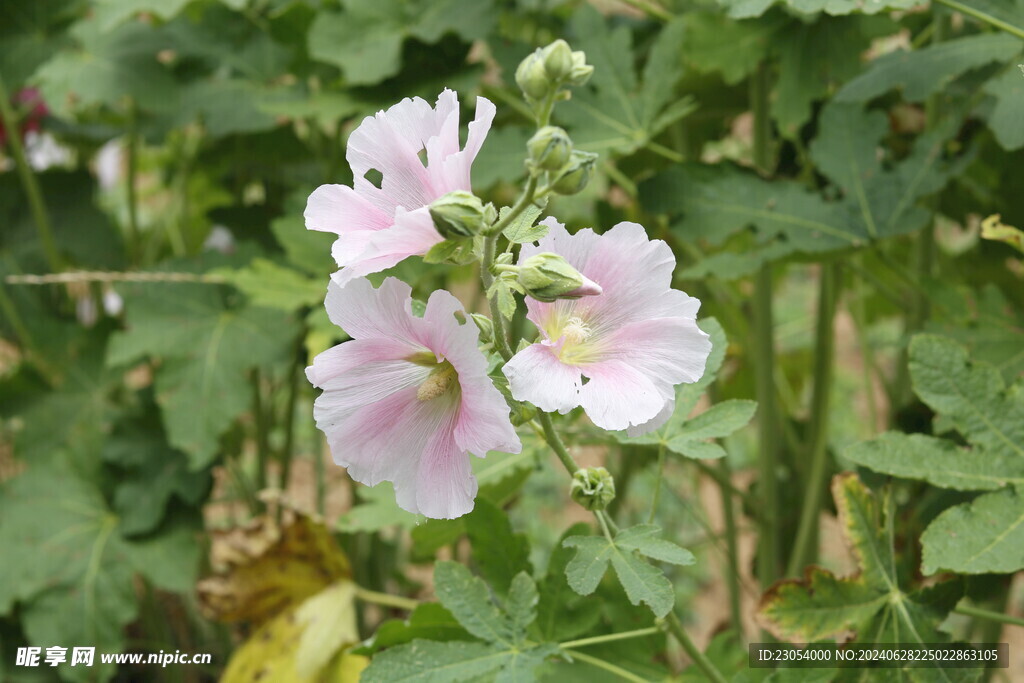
675 627
805 547
555 442
594 640
989 615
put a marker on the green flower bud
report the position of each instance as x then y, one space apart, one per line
547 277
575 175
580 72
522 413
550 148
593 488
532 77
558 60
485 325
458 214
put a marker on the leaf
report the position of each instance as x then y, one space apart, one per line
376 510
926 71
366 39
985 536
499 553
614 111
425 661
522 230
742 9
1008 90
561 613
522 601
873 603
68 556
270 285
207 349
714 43
328 622
270 656
992 228
468 599
266 567
107 67
428 620
642 581
110 13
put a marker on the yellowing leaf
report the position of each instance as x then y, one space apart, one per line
267 567
329 622
993 228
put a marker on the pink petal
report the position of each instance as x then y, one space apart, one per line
619 395
536 375
668 350
340 209
363 311
655 422
445 485
413 234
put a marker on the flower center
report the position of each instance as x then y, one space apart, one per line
438 382
576 331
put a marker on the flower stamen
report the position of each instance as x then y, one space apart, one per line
437 383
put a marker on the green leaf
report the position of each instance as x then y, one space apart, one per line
425 661
376 510
614 111
110 13
714 43
207 350
270 285
522 230
985 536
923 72
562 614
873 603
743 9
366 39
469 601
429 620
107 67
940 462
1008 90
499 553
642 581
522 601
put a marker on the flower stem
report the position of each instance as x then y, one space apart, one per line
608 666
656 498
805 547
702 662
132 152
29 182
594 640
500 338
386 599
999 617
551 436
732 550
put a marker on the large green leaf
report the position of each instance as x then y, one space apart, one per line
366 39
1008 90
562 614
617 110
506 650
627 552
499 553
207 349
873 603
971 397
923 72
742 9
66 555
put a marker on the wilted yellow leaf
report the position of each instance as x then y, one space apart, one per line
993 228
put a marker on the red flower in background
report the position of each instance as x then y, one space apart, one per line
29 103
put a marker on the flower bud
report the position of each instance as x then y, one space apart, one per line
558 60
485 325
532 77
580 72
575 175
550 148
458 214
547 277
593 488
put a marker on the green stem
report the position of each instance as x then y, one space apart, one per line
705 665
608 666
726 485
319 471
386 599
608 638
656 498
132 153
260 423
17 324
989 615
555 442
288 448
498 320
805 547
982 16
732 549
29 182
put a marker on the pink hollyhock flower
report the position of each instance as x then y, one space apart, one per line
407 397
378 227
618 354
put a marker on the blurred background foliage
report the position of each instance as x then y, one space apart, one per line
155 405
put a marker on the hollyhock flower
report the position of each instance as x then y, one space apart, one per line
408 397
618 354
379 226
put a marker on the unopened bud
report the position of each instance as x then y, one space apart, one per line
593 488
580 72
532 77
547 277
458 214
576 174
558 60
485 325
550 148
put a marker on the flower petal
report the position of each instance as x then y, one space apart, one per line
413 234
445 485
365 312
535 374
655 422
668 351
618 395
